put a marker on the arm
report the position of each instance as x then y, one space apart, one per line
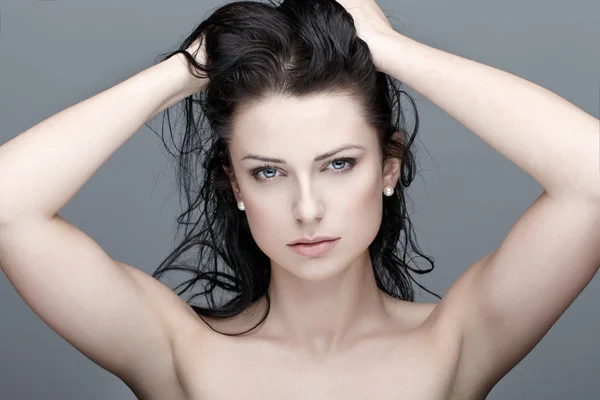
118 316
42 168
552 140
507 301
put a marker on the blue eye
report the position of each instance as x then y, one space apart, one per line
264 173
268 172
340 164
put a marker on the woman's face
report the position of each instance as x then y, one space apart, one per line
296 184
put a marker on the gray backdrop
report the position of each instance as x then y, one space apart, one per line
56 53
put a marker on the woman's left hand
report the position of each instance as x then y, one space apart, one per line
371 23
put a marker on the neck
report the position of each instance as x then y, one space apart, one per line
325 315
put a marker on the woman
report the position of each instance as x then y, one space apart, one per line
302 147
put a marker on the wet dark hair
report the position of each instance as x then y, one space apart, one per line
255 50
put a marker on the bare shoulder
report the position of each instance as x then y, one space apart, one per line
171 306
441 324
447 317
179 319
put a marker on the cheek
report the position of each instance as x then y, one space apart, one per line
264 218
364 190
368 201
363 213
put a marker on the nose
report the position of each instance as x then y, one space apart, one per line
308 206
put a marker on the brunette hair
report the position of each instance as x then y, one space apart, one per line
255 50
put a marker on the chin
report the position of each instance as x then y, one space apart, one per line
316 270
320 268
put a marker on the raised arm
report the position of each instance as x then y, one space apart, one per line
508 300
118 316
548 137
42 168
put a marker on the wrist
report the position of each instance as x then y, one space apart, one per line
176 67
383 45
191 84
184 83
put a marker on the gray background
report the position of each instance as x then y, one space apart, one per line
54 54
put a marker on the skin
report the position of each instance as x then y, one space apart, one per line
317 303
488 320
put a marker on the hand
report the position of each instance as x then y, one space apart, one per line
371 24
193 84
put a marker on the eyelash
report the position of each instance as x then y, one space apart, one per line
351 162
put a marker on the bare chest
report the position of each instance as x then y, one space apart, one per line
409 367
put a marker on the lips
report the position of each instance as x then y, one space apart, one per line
314 249
315 239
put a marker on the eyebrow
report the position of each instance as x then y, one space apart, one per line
317 158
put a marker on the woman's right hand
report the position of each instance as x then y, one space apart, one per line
193 84
179 69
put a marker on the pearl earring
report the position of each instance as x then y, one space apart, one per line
388 191
241 206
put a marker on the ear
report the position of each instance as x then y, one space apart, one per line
391 165
234 185
391 171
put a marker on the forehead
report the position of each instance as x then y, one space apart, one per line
284 126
